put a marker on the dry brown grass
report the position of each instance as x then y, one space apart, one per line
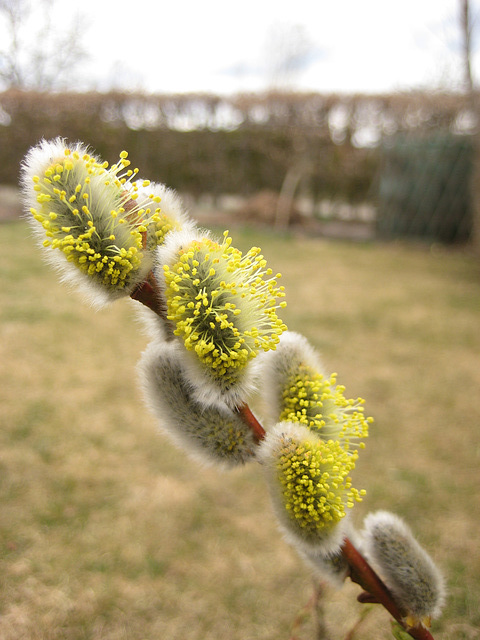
108 533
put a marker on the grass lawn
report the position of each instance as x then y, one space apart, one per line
109 533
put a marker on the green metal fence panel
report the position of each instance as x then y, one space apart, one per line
424 188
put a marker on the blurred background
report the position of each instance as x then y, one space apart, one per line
341 137
346 118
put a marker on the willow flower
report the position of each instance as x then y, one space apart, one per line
406 567
212 433
223 306
96 219
310 485
170 214
298 391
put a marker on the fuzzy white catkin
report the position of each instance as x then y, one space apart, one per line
111 260
278 366
170 204
324 540
406 567
35 162
331 567
212 433
206 386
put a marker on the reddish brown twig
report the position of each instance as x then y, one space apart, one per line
246 413
362 574
148 293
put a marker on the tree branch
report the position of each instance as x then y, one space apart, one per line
258 431
148 293
362 574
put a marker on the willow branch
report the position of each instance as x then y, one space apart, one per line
246 413
362 574
148 293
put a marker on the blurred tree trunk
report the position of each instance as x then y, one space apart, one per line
476 191
286 197
466 35
298 170
466 28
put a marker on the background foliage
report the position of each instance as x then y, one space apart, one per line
201 143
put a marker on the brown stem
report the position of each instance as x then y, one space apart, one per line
363 574
148 293
258 431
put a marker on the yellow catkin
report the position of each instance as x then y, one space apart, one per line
223 304
89 212
315 483
311 399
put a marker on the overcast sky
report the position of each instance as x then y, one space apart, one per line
225 47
